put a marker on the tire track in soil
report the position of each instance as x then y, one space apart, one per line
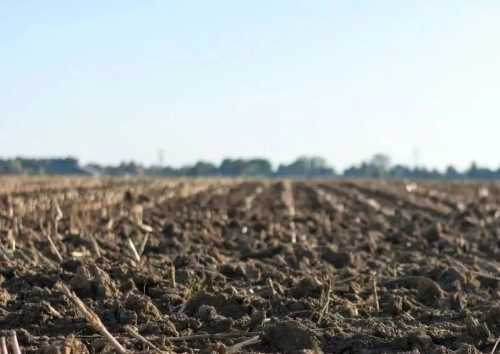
403 202
374 227
357 212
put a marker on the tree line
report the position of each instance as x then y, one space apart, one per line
379 166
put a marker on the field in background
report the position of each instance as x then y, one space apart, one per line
268 266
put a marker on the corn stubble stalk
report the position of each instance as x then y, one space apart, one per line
375 294
12 240
171 273
15 344
270 285
143 244
327 289
495 346
95 245
91 317
134 250
51 242
3 346
238 346
57 217
140 338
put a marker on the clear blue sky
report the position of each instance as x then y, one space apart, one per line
111 80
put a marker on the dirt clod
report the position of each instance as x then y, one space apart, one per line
142 306
70 345
92 282
428 290
393 305
289 335
479 331
433 232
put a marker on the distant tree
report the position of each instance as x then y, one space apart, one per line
231 167
400 171
452 173
16 166
257 167
381 163
203 169
306 166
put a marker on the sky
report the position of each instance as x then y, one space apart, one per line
106 81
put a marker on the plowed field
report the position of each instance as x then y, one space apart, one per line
265 266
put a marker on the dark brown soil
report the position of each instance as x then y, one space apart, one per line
302 266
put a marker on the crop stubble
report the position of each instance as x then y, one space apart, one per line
267 266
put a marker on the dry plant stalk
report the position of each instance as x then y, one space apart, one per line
95 245
15 226
3 346
10 210
495 346
238 346
271 287
52 244
137 213
315 346
213 336
327 289
12 240
54 248
183 308
146 228
91 317
171 273
73 216
375 294
134 250
20 224
59 215
143 243
15 343
109 224
140 338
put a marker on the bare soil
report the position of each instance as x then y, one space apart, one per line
287 266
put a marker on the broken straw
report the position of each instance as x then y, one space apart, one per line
91 317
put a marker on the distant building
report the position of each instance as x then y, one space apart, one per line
69 167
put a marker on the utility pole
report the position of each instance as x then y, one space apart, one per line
160 157
416 154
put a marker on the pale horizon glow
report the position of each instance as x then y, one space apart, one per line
106 81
